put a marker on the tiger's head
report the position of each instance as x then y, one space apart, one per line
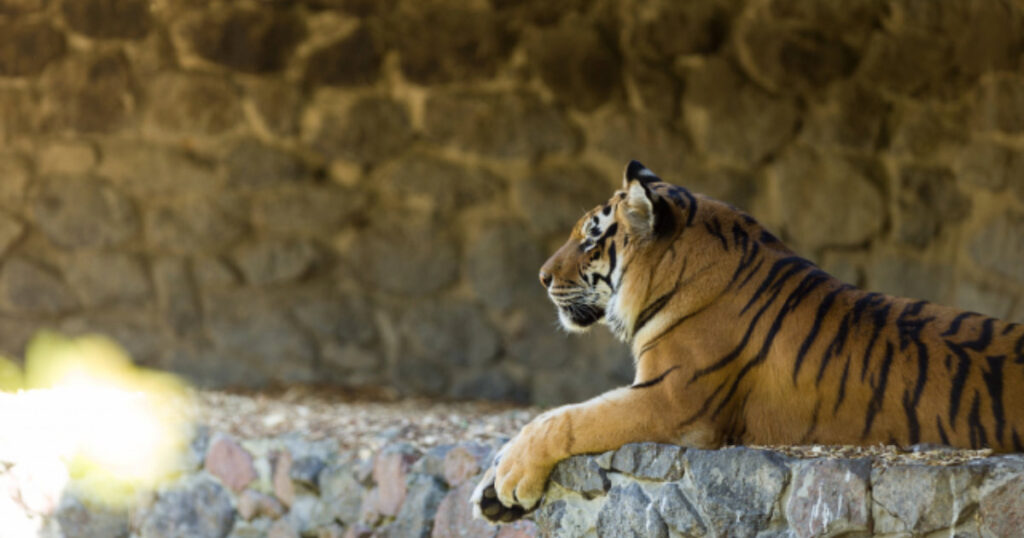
583 277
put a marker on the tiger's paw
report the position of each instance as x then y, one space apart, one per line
509 489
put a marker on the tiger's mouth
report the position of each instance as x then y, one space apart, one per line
579 317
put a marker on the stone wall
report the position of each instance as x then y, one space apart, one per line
286 488
361 191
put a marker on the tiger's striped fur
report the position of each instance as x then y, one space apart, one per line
737 340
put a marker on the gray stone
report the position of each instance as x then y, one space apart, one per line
554 197
582 475
678 512
929 201
465 43
734 120
1001 511
417 513
625 514
46 43
246 39
650 461
812 219
501 261
409 255
737 489
148 171
107 278
564 519
198 507
194 224
351 61
343 319
999 245
999 104
574 60
455 516
513 125
976 297
491 384
310 210
920 498
29 288
176 295
108 19
77 212
276 261
79 519
454 333
433 462
420 377
829 497
373 129
136 329
307 470
341 493
91 92
908 277
426 182
253 164
193 104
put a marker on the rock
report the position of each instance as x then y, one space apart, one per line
999 104
465 43
15 171
76 212
253 164
734 120
46 43
907 277
282 529
230 463
252 504
416 517
582 475
667 29
91 92
829 497
563 519
196 104
197 507
455 519
523 528
465 461
410 256
736 488
341 494
553 197
795 58
373 129
306 471
107 278
306 210
451 332
929 201
906 62
513 125
150 171
246 39
659 90
1001 511
989 165
678 512
109 19
650 461
440 186
194 224
501 261
136 329
855 118
923 130
920 498
17 113
432 462
390 472
579 66
276 261
976 297
213 273
10 231
999 244
664 150
278 105
67 158
493 383
18 7
81 520
345 319
29 288
176 296
284 490
353 60
626 514
812 219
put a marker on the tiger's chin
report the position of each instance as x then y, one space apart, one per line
579 318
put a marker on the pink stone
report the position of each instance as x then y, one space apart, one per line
455 517
1001 510
359 531
282 529
389 471
251 504
464 462
283 487
231 463
523 528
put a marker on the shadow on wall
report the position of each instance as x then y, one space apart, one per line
361 192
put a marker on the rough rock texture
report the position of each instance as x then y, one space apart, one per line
211 182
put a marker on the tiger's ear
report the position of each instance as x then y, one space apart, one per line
639 209
636 171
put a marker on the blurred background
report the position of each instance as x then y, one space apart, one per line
360 192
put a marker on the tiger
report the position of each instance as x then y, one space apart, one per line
736 340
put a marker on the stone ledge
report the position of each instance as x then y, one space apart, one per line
286 486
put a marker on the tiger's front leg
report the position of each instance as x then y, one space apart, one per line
515 483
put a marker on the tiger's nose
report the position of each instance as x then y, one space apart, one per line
545 279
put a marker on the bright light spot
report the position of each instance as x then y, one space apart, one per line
81 411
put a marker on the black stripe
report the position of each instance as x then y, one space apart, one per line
984 339
703 408
842 386
819 318
652 309
910 333
954 326
1018 350
654 341
714 227
942 431
1008 328
994 381
959 381
979 439
1017 445
654 381
794 264
875 405
881 315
